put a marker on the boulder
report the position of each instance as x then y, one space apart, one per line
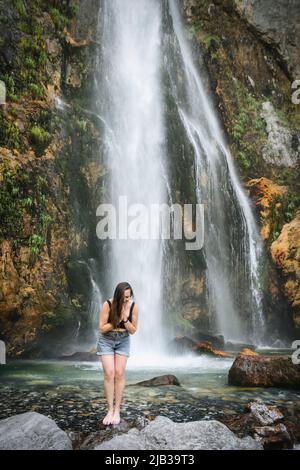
274 437
32 431
264 371
159 381
216 341
181 345
261 422
164 434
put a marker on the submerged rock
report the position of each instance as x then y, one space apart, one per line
163 433
159 381
32 431
264 371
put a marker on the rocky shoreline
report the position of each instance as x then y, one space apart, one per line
260 427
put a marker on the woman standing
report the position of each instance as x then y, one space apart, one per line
117 320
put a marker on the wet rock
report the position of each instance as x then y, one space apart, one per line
216 341
274 437
159 381
163 433
32 431
248 352
262 413
264 371
107 432
261 422
207 348
181 345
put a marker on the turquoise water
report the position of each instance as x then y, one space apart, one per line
72 392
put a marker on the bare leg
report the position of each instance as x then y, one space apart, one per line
109 374
120 364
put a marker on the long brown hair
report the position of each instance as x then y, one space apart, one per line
117 302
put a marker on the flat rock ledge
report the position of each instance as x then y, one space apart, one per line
163 434
32 431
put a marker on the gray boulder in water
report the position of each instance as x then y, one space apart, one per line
32 431
164 434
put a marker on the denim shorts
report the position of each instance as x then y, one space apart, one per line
113 342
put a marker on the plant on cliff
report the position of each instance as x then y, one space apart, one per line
9 134
282 211
39 137
248 129
23 195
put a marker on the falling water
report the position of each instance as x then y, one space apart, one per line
130 105
138 46
233 247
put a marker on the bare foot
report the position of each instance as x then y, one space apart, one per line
108 418
116 417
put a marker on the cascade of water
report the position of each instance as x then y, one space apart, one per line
135 51
129 102
233 248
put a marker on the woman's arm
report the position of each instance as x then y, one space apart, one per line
131 326
104 327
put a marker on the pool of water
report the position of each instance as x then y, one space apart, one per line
72 392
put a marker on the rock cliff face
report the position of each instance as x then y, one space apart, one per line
46 174
52 177
286 255
278 23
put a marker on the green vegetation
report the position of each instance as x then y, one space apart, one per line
81 125
9 134
248 129
20 7
36 90
58 18
23 194
39 137
282 211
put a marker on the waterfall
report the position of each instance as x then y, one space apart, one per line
129 101
233 247
142 42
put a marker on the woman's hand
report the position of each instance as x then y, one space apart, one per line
124 317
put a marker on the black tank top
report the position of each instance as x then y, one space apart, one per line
121 324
